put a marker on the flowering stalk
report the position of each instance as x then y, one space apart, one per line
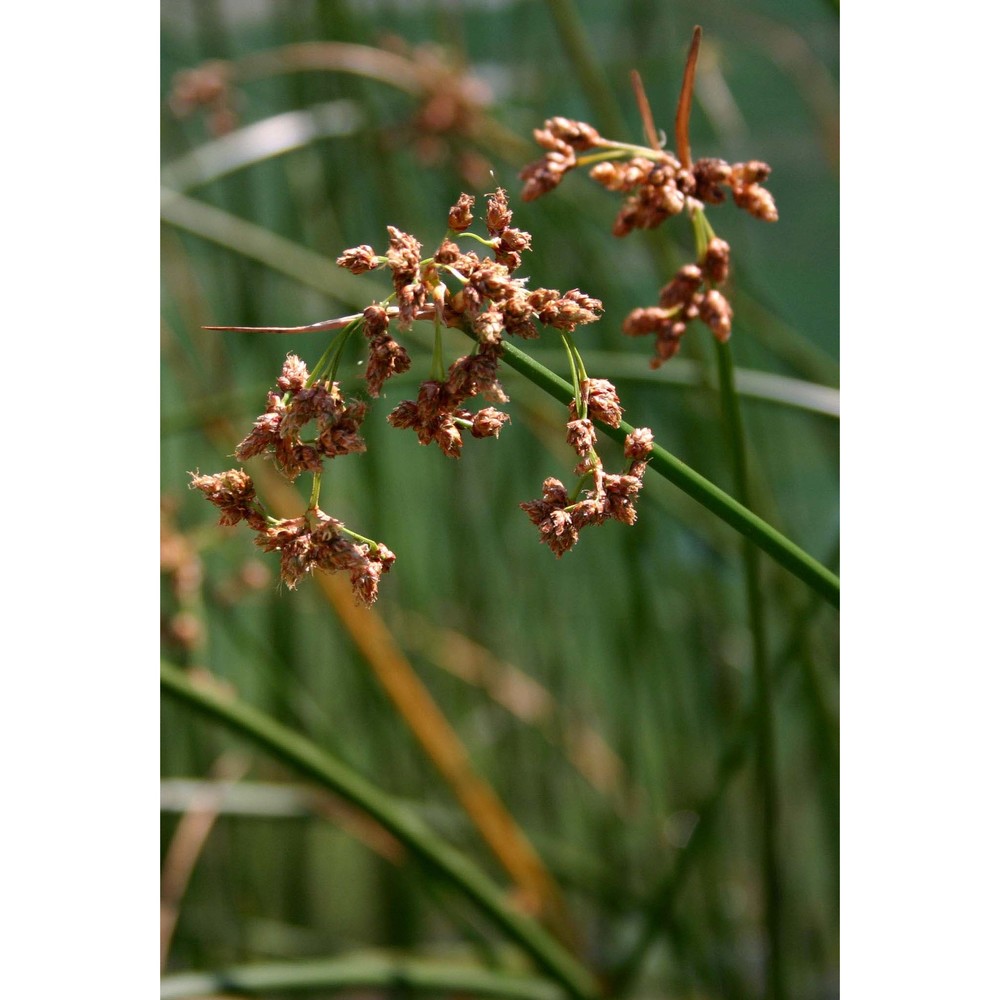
785 552
658 185
452 288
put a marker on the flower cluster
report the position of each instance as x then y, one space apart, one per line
658 185
313 541
318 541
278 430
307 419
208 87
459 289
563 138
560 517
657 189
684 298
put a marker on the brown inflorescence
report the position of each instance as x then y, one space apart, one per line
386 357
454 288
462 289
684 298
313 541
317 541
563 138
234 494
278 430
208 87
560 520
656 185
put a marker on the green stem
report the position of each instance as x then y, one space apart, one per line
326 367
437 359
308 759
382 974
575 373
705 492
492 244
763 708
659 914
314 495
360 539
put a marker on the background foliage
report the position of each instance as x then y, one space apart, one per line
605 697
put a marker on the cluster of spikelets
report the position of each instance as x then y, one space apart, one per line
315 540
459 289
560 517
307 420
657 185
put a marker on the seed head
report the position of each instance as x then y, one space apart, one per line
717 314
293 374
602 401
639 444
581 436
232 492
357 260
498 214
716 261
488 422
460 215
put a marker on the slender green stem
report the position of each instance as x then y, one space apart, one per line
703 232
763 699
314 494
382 974
308 759
575 373
659 912
361 539
612 150
326 367
437 359
492 244
705 492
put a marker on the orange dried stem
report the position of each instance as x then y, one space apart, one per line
684 103
645 111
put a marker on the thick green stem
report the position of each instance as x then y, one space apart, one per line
720 503
308 759
763 701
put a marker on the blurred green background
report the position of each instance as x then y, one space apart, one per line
604 696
